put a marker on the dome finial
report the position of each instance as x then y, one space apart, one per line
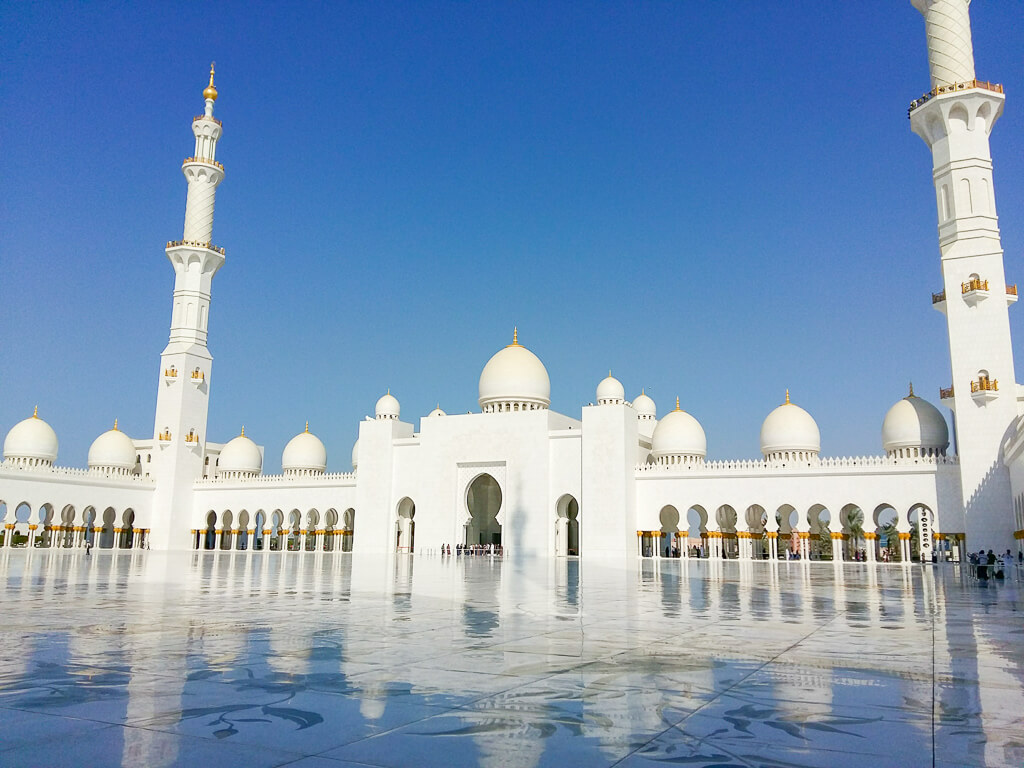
35 412
677 403
243 431
515 336
307 426
911 390
115 425
643 390
210 92
787 398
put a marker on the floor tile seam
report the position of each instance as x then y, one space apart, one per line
675 725
36 713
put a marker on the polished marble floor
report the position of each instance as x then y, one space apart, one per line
316 660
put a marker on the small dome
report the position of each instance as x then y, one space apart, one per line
240 456
387 407
436 412
514 376
644 406
112 450
789 428
31 441
610 391
679 434
915 423
304 453
355 454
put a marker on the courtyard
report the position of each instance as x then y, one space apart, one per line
326 660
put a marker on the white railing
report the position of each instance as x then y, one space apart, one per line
328 478
65 472
824 465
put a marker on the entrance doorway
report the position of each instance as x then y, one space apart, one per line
405 527
483 500
567 526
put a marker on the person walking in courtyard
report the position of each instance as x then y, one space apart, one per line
88 547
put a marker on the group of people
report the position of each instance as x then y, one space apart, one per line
471 549
990 565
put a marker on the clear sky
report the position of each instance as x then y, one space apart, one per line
714 200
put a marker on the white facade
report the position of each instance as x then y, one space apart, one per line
525 480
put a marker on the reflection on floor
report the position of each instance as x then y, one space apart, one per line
250 659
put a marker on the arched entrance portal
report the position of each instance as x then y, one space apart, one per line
567 526
405 528
483 500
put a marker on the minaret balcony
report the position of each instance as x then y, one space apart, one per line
198 377
194 244
974 291
1011 294
204 160
953 88
946 396
984 389
939 301
164 438
170 375
211 118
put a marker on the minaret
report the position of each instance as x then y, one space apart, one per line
184 377
955 119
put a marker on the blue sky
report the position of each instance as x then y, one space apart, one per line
714 200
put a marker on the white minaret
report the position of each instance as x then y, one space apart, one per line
955 119
184 389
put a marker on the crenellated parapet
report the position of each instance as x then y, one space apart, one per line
283 480
826 465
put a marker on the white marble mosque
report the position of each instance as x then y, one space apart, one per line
609 480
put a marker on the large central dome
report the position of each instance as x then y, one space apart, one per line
514 380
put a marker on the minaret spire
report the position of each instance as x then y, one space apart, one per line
955 123
182 403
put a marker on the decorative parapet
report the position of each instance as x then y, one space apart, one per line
195 244
823 465
207 117
946 393
331 478
205 160
938 297
951 88
1011 290
48 472
974 284
984 384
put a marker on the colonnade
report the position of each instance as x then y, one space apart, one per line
76 536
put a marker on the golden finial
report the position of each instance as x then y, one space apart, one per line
787 398
911 390
115 425
677 404
307 427
643 390
35 412
210 92
515 337
243 431
609 373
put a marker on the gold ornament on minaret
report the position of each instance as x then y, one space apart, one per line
210 92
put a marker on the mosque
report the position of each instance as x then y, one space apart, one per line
615 481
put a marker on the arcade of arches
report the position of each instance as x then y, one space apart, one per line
819 533
278 531
69 528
